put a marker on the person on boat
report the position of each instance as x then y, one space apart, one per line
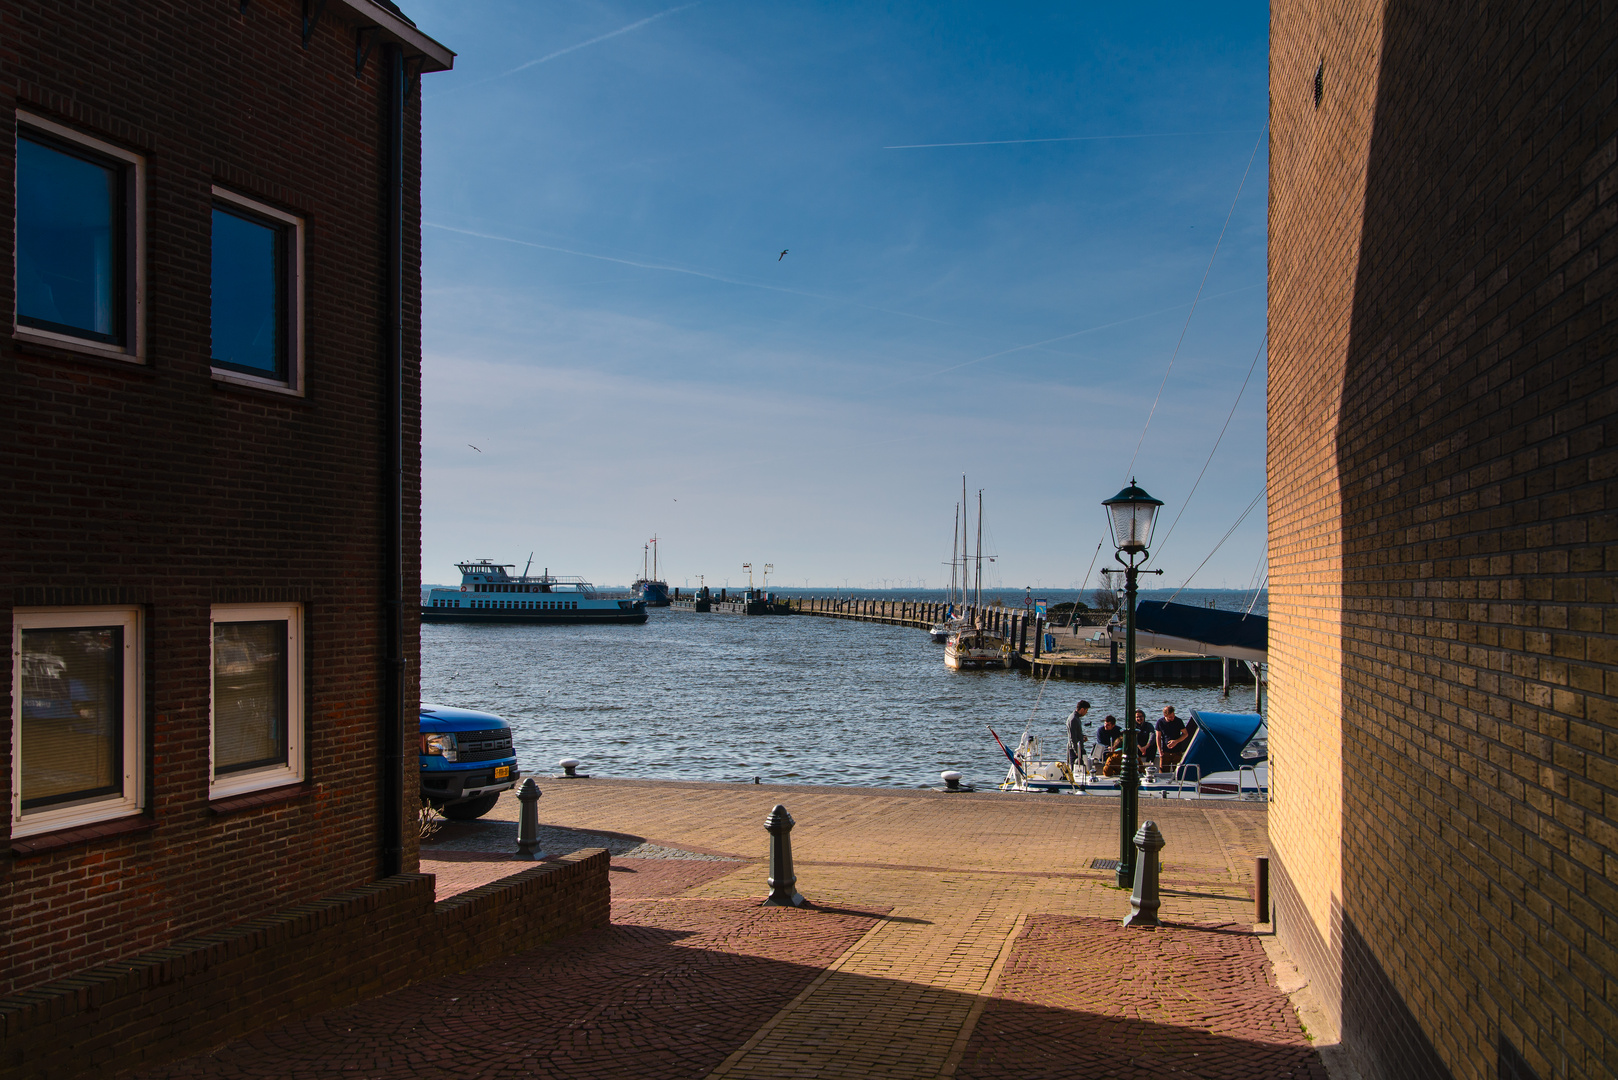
1075 734
1172 735
1110 746
1145 735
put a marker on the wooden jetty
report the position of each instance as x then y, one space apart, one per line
1090 658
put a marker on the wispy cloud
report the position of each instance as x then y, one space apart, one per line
1074 334
598 39
665 267
1072 138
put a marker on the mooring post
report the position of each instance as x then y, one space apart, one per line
1037 640
1143 904
528 821
1261 888
783 882
1224 676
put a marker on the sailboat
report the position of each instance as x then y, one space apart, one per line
952 620
973 647
648 586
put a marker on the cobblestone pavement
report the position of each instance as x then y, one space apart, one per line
1083 995
994 919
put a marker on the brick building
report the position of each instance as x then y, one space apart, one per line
210 339
1443 441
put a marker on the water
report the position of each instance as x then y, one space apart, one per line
789 699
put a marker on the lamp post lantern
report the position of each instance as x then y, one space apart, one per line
1132 513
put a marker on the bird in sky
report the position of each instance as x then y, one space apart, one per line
475 448
781 256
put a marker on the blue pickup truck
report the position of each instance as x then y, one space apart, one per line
466 760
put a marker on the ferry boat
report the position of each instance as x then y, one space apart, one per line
489 593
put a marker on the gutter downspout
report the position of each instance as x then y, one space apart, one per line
393 683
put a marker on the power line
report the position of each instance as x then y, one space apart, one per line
1228 214
1187 501
1216 547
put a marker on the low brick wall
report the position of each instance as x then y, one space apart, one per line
357 944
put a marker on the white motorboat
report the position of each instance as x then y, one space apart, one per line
1215 765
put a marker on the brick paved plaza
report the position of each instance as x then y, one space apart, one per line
952 935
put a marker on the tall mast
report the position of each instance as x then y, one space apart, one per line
978 600
955 551
966 548
654 558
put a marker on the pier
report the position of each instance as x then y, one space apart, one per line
1087 656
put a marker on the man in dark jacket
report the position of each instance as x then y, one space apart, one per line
1075 734
1172 736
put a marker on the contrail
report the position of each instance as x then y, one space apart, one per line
1074 334
1069 138
575 48
680 270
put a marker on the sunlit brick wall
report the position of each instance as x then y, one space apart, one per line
1473 400
1317 178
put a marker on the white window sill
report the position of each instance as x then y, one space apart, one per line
69 817
244 783
236 378
69 343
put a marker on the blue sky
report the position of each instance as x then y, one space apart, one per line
607 190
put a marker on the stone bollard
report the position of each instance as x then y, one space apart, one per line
1144 903
528 821
783 882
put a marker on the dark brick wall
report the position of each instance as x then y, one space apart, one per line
1476 452
156 486
358 944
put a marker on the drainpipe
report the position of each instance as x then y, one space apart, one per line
393 682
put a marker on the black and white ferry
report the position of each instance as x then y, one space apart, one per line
490 593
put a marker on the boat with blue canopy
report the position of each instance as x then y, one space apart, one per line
1227 758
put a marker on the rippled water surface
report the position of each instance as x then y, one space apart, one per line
794 699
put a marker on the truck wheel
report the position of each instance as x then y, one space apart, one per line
471 808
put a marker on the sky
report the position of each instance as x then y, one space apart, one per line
1024 244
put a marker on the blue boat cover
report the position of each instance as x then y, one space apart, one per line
1203 624
1219 740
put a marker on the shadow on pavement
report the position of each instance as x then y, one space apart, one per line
670 989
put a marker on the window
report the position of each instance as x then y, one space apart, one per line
75 725
257 304
257 705
79 241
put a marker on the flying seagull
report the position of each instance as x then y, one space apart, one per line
475 448
782 255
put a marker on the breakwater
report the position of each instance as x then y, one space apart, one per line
1097 660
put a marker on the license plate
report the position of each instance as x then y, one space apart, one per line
502 771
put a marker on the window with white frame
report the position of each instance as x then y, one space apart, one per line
256 736
79 241
257 300
76 732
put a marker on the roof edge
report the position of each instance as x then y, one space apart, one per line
435 56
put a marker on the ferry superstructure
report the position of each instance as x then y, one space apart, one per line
490 593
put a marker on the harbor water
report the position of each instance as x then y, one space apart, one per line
794 699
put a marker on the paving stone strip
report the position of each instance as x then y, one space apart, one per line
1083 996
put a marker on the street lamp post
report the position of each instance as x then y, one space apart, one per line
1132 512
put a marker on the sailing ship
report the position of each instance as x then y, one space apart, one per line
648 586
974 647
952 621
